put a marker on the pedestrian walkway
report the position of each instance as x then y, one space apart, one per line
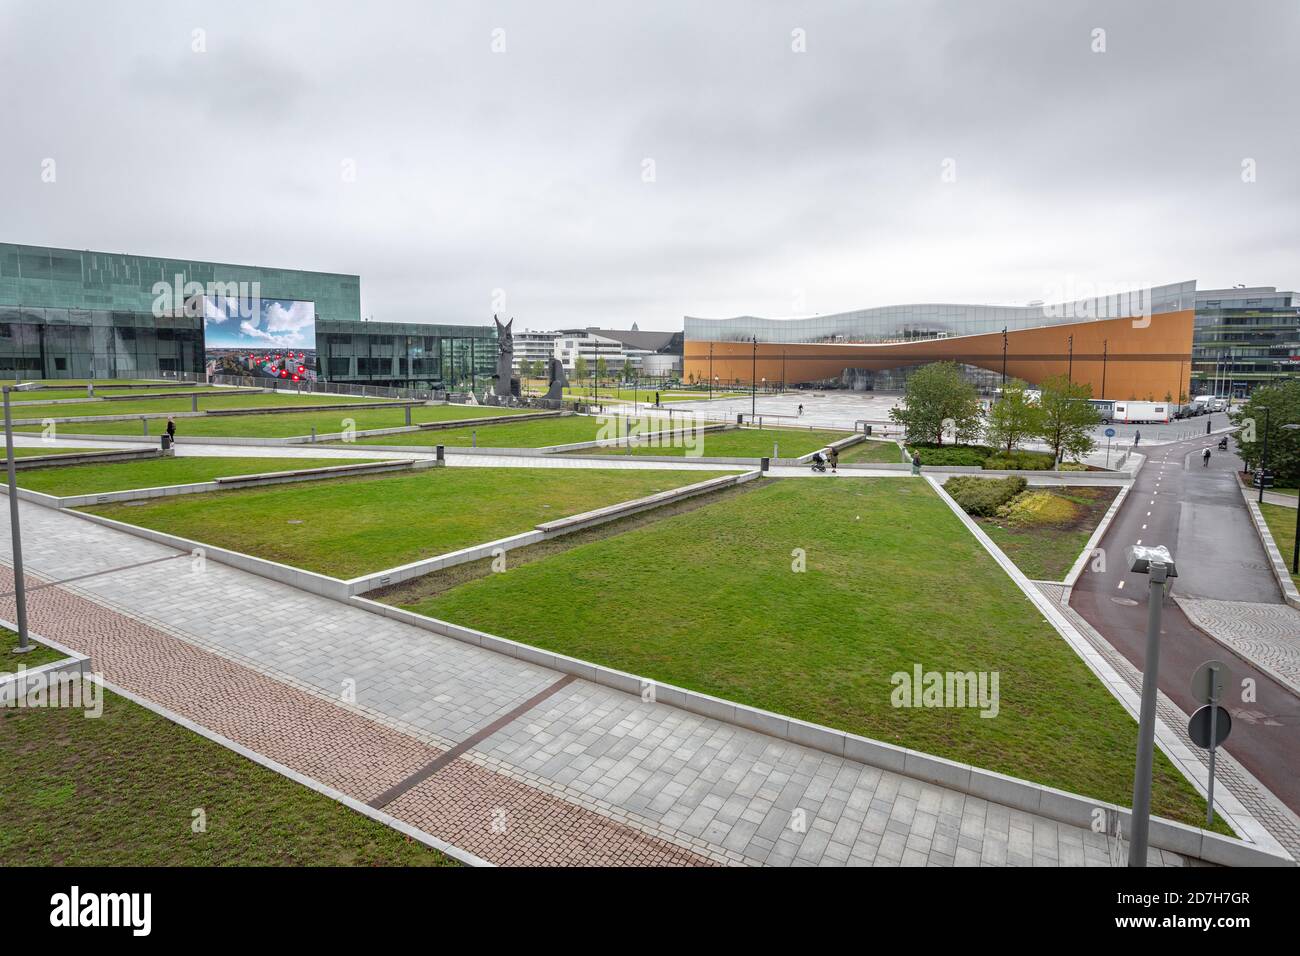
1265 634
566 772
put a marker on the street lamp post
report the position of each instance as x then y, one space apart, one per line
1004 358
1295 551
20 590
1158 565
710 371
1069 375
753 381
1105 350
1263 457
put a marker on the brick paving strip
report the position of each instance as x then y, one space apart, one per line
340 749
1267 635
588 775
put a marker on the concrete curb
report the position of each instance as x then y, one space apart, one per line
73 660
1265 851
1270 670
1275 560
84 458
214 413
226 483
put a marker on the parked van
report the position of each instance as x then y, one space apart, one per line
1141 413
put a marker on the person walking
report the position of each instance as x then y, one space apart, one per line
834 458
1137 437
1205 457
171 430
916 463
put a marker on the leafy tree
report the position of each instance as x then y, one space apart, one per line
1013 419
602 368
1283 403
937 394
628 370
580 368
1067 417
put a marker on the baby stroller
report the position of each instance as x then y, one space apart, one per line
1223 443
819 462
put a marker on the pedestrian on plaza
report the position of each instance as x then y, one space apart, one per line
801 410
916 463
1137 437
1205 457
171 429
835 458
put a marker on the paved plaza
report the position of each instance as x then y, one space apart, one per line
569 773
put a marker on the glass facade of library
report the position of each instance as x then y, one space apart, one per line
407 355
73 314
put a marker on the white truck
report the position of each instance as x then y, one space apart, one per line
1141 413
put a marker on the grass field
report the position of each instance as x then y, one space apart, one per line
739 443
121 790
10 662
160 405
708 600
1045 550
873 452
283 424
535 433
1281 522
154 472
351 526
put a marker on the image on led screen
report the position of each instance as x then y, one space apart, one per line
260 338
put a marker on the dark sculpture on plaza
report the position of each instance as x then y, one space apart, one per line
504 383
558 382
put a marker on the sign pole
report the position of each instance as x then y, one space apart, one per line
1214 720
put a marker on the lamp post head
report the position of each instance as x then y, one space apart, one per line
1146 559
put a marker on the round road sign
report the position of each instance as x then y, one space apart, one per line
1198 727
1201 687
1110 433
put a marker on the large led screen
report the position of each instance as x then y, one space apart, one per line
262 338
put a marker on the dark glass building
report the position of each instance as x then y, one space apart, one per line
79 314
1244 338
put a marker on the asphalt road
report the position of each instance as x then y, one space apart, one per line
1197 512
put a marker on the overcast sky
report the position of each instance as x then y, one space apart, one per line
616 162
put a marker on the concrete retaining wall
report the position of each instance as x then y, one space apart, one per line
107 456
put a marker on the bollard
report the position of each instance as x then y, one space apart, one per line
474 438
313 434
408 414
194 402
442 458
145 422
776 450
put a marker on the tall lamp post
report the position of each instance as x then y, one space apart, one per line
753 381
1295 552
1069 375
1004 358
20 592
1263 456
710 371
1158 565
1105 351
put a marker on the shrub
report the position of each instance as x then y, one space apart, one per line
1039 508
1019 461
972 455
983 496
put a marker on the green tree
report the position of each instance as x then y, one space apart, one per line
1067 417
1013 419
602 368
580 368
1283 403
628 370
936 395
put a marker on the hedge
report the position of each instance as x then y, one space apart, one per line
983 496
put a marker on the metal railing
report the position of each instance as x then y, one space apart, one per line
328 388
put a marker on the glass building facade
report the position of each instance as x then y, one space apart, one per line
78 314
1244 338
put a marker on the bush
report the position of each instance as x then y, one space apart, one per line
1019 461
931 454
1039 508
983 496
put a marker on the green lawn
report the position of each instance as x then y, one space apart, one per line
536 433
10 662
121 790
103 391
708 600
874 452
147 405
1281 522
284 424
1047 550
52 450
155 472
346 527
738 443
